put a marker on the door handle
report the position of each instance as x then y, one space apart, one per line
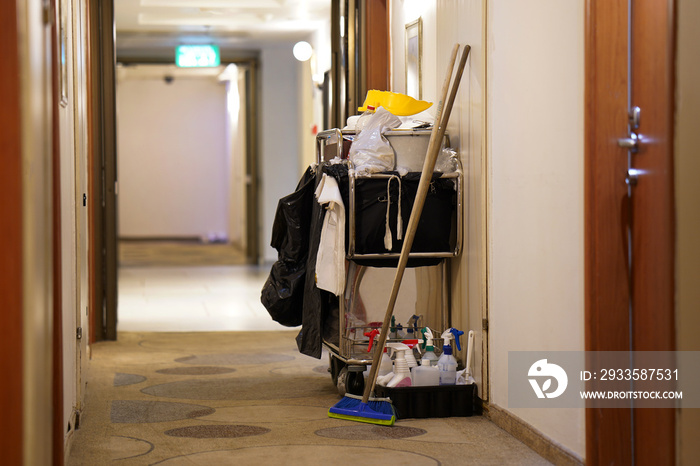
630 143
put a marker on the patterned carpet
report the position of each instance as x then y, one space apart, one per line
148 253
249 398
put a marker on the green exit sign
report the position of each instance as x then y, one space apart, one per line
197 56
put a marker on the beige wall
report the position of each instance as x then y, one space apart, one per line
535 153
518 125
36 238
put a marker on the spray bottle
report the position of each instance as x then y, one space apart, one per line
402 375
385 363
410 355
447 363
413 333
428 346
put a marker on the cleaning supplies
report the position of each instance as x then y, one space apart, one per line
447 363
402 374
464 377
410 355
385 365
429 348
380 411
371 335
425 375
398 104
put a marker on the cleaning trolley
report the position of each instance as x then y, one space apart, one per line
424 185
397 215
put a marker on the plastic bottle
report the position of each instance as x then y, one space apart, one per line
362 121
402 374
425 375
447 363
429 348
385 365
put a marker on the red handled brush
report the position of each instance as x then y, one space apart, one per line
380 410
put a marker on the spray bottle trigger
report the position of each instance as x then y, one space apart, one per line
371 334
457 334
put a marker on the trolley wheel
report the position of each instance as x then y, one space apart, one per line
334 367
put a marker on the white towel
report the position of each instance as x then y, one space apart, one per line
330 261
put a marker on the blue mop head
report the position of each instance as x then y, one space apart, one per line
375 411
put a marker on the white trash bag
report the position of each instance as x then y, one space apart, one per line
370 151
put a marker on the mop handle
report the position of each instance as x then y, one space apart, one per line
436 137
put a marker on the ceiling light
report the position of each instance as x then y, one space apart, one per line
302 51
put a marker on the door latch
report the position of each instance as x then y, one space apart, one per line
631 142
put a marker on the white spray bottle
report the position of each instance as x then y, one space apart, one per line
385 363
429 348
447 363
402 374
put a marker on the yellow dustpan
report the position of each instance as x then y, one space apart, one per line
398 104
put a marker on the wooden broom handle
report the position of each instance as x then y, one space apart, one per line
436 136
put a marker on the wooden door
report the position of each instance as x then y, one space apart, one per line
629 215
652 87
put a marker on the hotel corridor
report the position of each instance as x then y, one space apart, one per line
200 374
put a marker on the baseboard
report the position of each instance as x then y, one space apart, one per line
521 430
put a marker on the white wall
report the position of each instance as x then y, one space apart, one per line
172 154
279 135
535 216
154 165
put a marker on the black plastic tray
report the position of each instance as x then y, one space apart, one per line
426 402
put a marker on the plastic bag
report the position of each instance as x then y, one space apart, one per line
370 151
447 161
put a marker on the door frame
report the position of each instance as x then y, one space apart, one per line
11 284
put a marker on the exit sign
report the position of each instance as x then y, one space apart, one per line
197 56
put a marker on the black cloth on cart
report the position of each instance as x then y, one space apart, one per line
290 294
283 292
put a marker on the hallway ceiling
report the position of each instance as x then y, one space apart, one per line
227 23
